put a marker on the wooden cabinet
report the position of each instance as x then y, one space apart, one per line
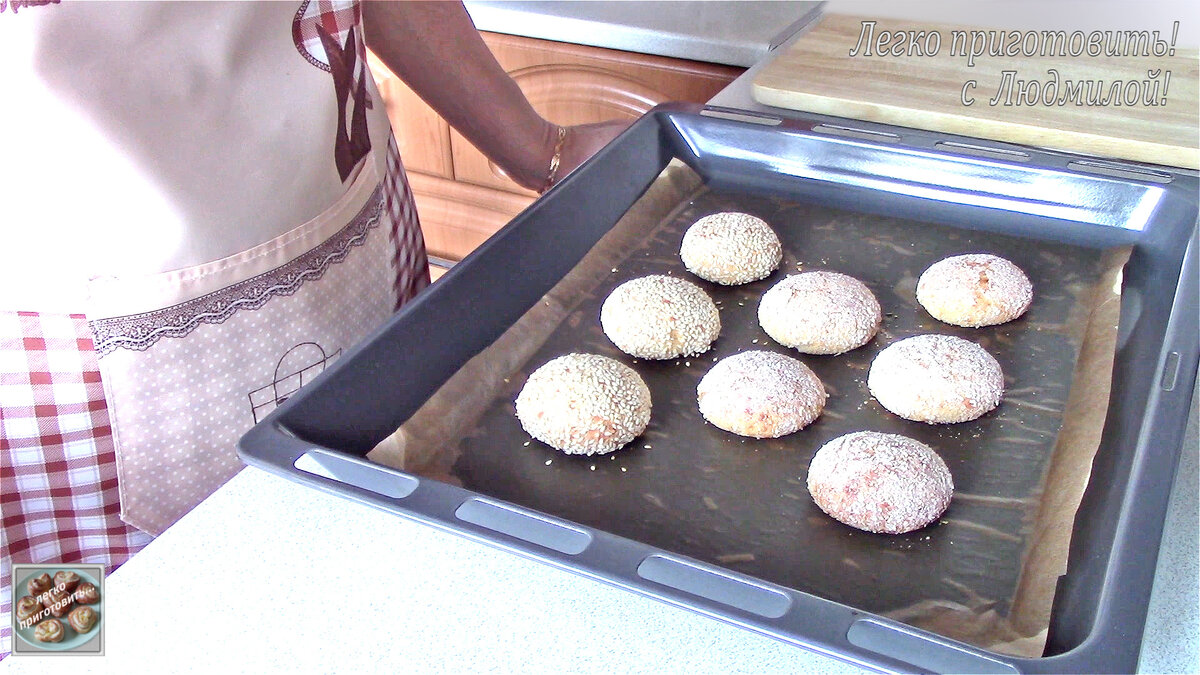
462 198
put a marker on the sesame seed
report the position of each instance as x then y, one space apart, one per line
584 404
910 486
761 394
660 317
927 378
974 290
593 467
820 312
549 461
730 248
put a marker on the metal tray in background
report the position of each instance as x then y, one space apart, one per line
319 436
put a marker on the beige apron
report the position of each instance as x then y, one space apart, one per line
233 216
192 358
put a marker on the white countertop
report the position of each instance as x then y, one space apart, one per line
269 576
732 33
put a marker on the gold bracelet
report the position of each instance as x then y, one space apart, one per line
555 160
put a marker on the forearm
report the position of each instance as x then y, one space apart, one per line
435 49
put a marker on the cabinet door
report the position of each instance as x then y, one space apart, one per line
422 136
573 84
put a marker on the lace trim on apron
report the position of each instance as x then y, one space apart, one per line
140 331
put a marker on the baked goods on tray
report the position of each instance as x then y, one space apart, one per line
974 290
820 313
760 394
883 483
660 317
28 607
731 248
83 619
39 584
50 630
66 581
937 379
584 404
87 594
57 601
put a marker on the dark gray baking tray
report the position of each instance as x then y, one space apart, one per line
320 435
690 488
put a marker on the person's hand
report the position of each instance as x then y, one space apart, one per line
583 140
435 49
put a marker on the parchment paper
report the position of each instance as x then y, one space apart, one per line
984 574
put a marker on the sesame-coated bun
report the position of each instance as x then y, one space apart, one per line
881 483
974 290
760 394
731 248
584 404
660 317
820 313
938 379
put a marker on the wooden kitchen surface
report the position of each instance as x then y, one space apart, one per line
816 74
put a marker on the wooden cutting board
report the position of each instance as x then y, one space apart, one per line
817 74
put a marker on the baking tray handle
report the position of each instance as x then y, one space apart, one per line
831 629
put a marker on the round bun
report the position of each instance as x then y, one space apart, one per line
760 394
87 594
50 630
584 404
83 619
39 584
57 601
974 290
731 248
820 313
660 317
67 581
881 483
27 607
938 379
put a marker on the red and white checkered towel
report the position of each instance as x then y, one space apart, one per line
58 469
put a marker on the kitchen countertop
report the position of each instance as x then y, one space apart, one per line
731 33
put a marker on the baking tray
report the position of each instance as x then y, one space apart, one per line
1049 200
690 488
